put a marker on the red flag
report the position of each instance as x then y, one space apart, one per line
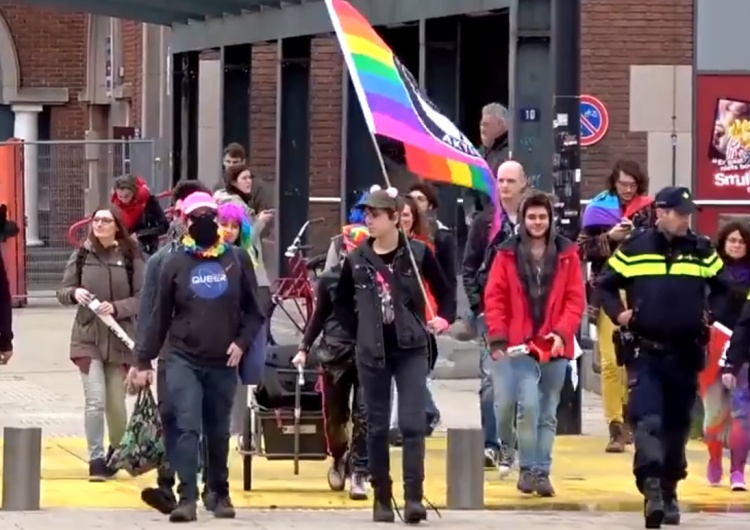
717 347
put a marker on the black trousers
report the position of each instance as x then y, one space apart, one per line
662 390
409 369
340 387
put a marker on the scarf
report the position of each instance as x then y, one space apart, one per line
537 277
132 211
739 270
214 251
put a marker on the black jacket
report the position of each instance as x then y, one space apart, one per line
152 225
665 283
478 256
445 251
475 201
359 307
8 229
336 347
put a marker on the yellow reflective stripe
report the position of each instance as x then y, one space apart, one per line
656 265
637 258
688 269
712 265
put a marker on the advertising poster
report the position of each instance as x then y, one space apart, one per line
722 137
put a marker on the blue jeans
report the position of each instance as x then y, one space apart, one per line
486 397
201 399
535 390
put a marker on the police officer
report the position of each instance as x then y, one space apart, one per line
664 272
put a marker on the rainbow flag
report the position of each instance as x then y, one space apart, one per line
395 107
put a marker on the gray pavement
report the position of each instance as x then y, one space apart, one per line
345 520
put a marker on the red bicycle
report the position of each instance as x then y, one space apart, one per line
294 294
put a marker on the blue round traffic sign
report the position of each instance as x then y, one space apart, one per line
594 120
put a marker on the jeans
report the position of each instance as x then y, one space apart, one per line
409 368
431 409
486 397
201 398
533 390
104 394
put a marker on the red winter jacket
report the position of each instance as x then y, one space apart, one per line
506 307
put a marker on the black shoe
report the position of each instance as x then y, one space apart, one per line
185 512
224 509
653 503
99 471
414 512
159 499
382 508
209 499
671 512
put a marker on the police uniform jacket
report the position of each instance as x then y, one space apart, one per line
665 281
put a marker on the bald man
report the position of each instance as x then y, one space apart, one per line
478 256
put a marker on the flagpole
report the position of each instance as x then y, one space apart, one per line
410 251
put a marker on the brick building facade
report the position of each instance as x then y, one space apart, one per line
55 50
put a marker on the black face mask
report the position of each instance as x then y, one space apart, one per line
204 231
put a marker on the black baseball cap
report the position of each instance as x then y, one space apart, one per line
677 199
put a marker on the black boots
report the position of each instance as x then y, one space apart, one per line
414 510
382 508
671 506
653 503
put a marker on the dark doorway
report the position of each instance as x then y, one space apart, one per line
294 145
484 56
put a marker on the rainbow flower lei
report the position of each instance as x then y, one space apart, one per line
213 251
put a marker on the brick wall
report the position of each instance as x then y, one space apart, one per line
132 56
263 110
325 135
615 35
51 46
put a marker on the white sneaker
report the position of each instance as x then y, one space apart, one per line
505 460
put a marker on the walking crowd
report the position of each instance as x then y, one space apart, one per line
199 304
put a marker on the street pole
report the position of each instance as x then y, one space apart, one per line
566 170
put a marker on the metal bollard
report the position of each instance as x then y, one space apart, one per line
22 468
465 469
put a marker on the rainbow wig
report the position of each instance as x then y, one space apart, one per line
231 212
357 214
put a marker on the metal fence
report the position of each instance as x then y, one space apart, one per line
63 181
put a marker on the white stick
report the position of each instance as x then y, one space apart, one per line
112 324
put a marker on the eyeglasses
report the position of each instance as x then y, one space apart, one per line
627 185
102 220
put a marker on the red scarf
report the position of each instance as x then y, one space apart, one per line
132 211
638 203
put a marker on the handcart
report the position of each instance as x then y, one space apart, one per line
284 420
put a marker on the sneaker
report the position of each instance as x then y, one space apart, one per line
490 457
358 487
224 509
737 481
505 460
99 471
185 512
543 485
337 475
714 472
160 499
433 420
526 482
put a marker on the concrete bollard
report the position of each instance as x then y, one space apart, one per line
22 468
465 469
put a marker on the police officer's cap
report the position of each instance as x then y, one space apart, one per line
677 199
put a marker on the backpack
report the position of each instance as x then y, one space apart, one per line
83 253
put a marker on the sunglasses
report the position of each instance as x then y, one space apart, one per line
209 214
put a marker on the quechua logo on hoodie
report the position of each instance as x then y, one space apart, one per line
209 280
